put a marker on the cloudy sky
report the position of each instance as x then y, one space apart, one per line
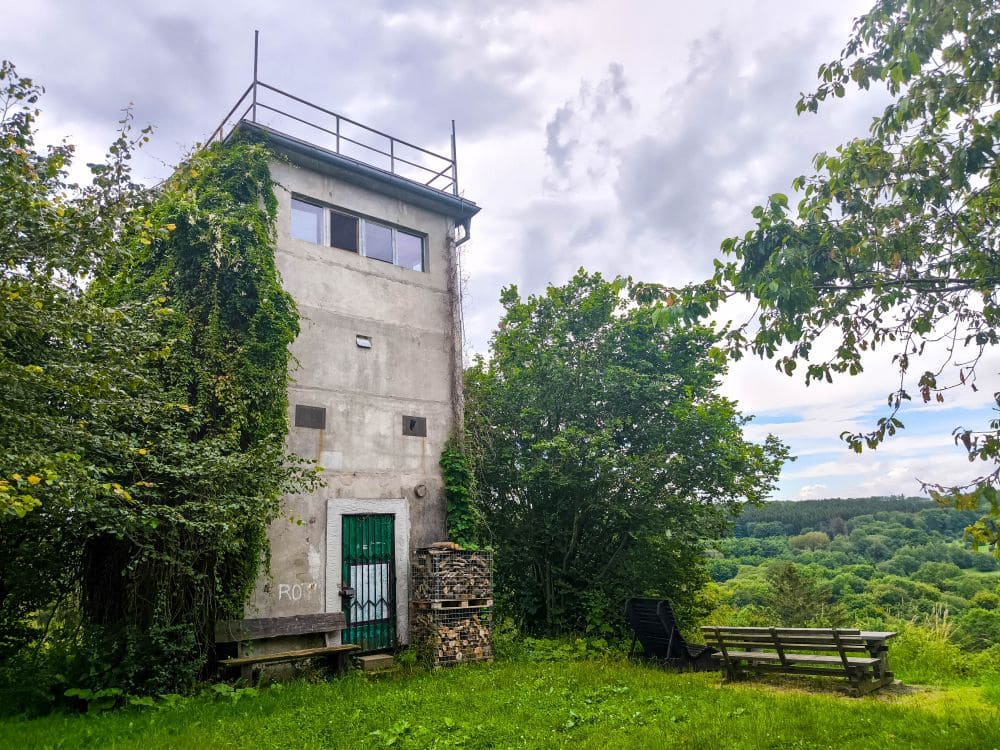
627 137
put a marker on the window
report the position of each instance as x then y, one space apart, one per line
366 237
344 231
307 221
378 242
409 251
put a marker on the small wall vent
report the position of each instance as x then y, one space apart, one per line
415 426
312 417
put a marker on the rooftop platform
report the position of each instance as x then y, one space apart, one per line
328 142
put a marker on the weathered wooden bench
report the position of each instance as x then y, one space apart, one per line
245 632
860 656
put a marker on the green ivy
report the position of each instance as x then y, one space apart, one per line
459 484
226 324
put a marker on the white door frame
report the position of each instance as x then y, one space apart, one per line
345 506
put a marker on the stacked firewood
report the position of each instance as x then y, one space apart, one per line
454 636
452 596
451 575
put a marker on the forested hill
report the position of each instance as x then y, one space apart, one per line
793 517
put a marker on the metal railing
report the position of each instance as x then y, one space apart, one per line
342 135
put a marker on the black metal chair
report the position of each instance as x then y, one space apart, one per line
654 627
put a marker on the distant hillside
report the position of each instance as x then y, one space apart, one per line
823 515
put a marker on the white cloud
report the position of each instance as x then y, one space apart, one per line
812 492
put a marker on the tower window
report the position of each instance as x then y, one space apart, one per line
356 234
344 231
378 242
307 221
409 251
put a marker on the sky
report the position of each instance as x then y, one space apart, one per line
625 137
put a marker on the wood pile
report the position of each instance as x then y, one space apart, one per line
451 575
454 636
452 596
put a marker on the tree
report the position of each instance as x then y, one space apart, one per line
894 242
70 367
604 456
63 358
143 405
797 600
811 540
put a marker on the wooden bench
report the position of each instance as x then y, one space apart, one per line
244 632
860 656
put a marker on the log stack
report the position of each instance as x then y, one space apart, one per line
448 575
452 604
454 636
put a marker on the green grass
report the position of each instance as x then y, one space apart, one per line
590 704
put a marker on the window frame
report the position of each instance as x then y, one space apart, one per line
326 232
322 215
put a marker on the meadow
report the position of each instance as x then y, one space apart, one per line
545 694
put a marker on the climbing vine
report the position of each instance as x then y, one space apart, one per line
212 479
459 484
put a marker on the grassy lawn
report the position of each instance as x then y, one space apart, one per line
518 704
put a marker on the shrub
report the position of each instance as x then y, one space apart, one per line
723 570
924 655
985 600
811 540
978 629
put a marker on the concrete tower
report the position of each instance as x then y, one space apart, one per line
367 231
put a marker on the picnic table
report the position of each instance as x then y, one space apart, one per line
862 656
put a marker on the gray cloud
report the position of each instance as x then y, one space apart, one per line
729 138
184 67
580 130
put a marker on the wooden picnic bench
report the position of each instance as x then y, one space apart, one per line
245 633
860 656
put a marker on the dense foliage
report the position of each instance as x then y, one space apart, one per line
831 516
894 243
143 361
604 455
464 522
896 564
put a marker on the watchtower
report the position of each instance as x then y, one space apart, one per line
367 233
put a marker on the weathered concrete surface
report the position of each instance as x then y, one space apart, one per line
369 465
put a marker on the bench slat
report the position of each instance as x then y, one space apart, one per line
746 643
305 653
801 658
229 631
821 632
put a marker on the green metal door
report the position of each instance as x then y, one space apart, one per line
368 574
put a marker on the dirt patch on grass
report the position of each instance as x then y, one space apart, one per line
830 686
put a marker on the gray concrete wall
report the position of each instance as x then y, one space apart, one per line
368 463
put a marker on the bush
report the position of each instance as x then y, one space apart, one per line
978 629
723 570
985 600
924 655
937 573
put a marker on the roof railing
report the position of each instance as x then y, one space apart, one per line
342 135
